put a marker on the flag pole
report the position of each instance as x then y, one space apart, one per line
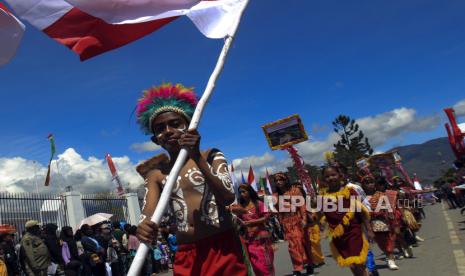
143 249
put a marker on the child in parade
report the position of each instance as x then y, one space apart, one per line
314 233
349 245
205 234
384 217
251 212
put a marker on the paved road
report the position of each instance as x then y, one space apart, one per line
441 254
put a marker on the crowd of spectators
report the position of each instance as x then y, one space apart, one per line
98 250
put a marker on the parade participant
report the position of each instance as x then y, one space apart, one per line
314 233
251 213
36 255
384 222
294 224
348 243
207 243
407 206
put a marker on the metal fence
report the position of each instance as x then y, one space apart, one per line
16 209
105 203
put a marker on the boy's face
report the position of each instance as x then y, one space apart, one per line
167 130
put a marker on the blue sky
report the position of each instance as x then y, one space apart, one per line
314 58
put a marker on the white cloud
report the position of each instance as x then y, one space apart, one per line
84 175
383 127
144 147
460 108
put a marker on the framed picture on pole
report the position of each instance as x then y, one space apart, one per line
285 132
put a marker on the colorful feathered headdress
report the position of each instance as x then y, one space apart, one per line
166 97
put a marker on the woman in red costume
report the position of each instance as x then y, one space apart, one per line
346 225
251 212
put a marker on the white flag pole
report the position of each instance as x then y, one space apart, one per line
143 249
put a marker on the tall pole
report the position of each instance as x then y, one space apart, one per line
143 249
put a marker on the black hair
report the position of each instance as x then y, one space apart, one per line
132 230
288 183
252 194
382 181
116 225
339 168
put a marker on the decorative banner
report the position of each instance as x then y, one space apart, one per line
285 132
115 177
52 151
301 172
456 134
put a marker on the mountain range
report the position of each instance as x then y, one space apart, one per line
429 160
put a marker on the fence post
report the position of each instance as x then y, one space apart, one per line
133 208
74 208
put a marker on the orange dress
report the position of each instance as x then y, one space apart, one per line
294 233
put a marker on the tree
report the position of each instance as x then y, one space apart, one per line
352 144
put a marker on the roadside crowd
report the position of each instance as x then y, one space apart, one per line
102 249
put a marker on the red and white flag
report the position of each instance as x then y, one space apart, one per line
90 27
251 179
268 183
11 33
114 174
416 182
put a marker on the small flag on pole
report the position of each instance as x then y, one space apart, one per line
52 154
251 179
114 174
268 183
416 182
243 178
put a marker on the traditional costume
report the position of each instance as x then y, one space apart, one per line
314 234
294 233
383 224
258 240
215 249
348 243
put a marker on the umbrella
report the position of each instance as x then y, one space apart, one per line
95 219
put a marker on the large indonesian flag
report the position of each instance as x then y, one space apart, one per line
92 27
11 32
